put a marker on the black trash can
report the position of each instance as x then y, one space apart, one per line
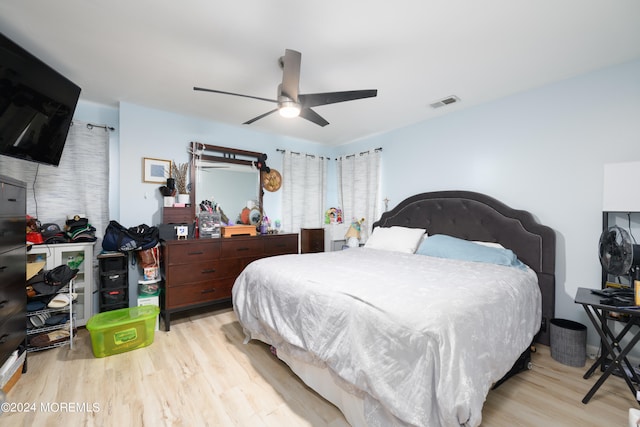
568 342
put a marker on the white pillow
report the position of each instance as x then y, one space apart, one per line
398 239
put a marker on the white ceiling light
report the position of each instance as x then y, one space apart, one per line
289 109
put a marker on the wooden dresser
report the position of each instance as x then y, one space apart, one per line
13 265
201 272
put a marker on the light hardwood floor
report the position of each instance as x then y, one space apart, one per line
201 374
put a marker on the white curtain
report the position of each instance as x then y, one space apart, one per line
79 185
358 186
304 184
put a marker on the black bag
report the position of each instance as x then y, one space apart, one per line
118 238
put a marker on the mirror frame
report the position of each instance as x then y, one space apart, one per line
216 153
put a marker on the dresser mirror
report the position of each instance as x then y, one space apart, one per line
228 177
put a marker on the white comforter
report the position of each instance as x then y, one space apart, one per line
420 339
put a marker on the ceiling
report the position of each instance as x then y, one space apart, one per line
415 52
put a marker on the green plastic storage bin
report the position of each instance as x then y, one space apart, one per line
122 330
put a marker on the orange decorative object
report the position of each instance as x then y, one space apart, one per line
239 230
244 215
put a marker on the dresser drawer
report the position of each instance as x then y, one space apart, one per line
281 245
172 215
13 200
193 251
241 247
13 297
178 275
12 333
191 294
12 232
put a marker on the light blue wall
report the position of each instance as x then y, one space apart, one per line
541 151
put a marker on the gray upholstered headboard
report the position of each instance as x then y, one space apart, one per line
474 216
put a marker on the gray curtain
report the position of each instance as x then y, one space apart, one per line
304 185
358 187
79 185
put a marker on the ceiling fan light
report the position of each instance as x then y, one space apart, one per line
289 109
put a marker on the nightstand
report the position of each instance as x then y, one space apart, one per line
334 236
613 351
311 240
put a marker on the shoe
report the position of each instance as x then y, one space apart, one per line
58 319
62 300
49 338
38 320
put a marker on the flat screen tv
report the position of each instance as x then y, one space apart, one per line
36 106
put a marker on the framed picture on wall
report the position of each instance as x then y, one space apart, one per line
155 170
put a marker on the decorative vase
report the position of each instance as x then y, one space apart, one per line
169 201
171 183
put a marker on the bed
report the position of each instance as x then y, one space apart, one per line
397 338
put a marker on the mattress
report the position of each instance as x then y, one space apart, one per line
420 340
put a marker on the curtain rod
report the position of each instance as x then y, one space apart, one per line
322 157
91 126
313 156
362 152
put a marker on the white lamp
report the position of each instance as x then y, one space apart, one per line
620 192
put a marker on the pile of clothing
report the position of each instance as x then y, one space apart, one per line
77 229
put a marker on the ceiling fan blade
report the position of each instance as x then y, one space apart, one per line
291 73
312 116
316 99
248 122
234 94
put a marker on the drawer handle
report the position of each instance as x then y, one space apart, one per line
2 268
195 253
3 339
210 270
208 291
12 200
242 249
281 245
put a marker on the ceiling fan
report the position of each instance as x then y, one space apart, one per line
290 103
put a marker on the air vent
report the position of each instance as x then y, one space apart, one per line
446 101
